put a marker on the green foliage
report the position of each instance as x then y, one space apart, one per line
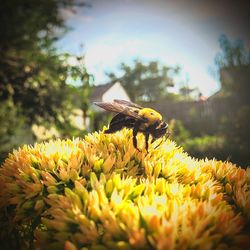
146 82
84 82
234 65
32 73
209 146
101 120
206 146
232 53
13 129
235 130
178 132
220 127
185 92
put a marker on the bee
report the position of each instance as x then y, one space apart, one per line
139 119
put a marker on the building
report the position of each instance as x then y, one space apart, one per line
107 93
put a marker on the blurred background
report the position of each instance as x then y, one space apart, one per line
188 59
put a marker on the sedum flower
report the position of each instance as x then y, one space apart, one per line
101 193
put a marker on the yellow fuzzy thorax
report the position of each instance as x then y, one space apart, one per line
101 193
150 114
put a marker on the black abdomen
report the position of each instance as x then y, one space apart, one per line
119 122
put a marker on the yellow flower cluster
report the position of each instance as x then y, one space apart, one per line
101 193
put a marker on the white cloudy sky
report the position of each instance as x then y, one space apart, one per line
174 32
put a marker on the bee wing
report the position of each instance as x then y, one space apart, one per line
120 108
127 103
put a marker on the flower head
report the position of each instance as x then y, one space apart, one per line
101 193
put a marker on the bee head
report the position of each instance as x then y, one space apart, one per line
151 115
160 130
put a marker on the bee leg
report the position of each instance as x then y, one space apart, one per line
159 144
146 140
135 131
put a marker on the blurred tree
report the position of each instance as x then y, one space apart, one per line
233 63
34 77
32 73
12 129
82 92
219 127
178 132
186 92
232 53
146 82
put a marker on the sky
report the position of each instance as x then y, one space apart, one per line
173 32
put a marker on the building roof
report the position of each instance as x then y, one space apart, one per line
98 91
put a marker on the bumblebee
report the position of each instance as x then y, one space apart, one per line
130 115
